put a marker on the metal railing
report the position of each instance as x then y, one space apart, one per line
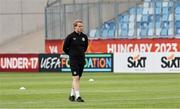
59 18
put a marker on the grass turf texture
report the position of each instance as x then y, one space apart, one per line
51 90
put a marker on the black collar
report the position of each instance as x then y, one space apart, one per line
77 33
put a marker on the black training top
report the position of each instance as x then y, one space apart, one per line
75 44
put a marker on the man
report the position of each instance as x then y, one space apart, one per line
75 45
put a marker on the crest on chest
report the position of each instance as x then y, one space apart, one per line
74 38
83 39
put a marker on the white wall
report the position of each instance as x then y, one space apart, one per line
20 17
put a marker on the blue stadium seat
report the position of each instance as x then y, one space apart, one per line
165 4
144 25
170 32
165 25
144 32
111 32
177 17
157 10
177 10
151 32
164 32
97 34
158 18
138 32
124 25
131 25
145 18
177 7
165 10
138 24
124 32
151 25
132 18
151 11
131 32
158 24
146 4
124 18
139 10
171 4
158 4
178 31
145 11
158 31
171 17
104 29
139 17
177 3
165 17
177 24
132 11
92 33
104 33
150 18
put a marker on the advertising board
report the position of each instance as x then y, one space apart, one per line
53 63
147 62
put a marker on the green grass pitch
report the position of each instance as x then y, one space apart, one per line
51 90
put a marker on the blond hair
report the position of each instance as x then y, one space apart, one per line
76 22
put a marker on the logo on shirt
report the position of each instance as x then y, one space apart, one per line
74 38
74 72
83 39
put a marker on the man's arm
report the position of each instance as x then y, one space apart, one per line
66 45
86 43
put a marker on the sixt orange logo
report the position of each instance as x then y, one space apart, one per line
170 61
136 61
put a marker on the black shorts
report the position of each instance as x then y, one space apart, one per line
77 67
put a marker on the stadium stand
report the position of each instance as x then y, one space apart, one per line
94 13
151 19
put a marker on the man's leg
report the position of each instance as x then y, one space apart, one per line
72 95
73 67
76 86
72 90
77 79
75 82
